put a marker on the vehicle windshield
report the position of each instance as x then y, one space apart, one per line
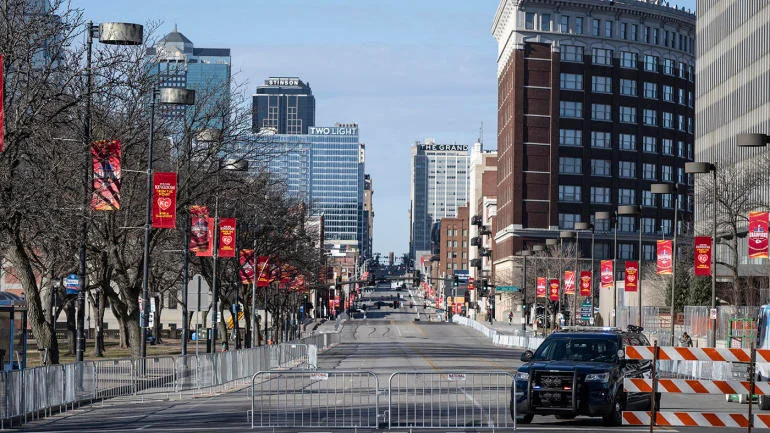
579 349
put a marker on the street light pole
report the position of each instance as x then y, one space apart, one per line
670 188
524 254
613 219
589 226
569 235
637 211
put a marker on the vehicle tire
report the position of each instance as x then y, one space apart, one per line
525 418
764 402
615 417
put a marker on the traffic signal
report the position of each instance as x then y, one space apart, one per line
455 281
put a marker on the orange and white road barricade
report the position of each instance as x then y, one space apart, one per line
688 386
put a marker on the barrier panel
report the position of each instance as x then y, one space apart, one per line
115 378
156 375
328 399
701 386
450 399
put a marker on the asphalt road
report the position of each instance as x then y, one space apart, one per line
389 340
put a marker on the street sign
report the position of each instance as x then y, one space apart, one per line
71 284
198 295
507 288
585 310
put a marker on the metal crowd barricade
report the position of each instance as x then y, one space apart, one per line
450 399
317 399
155 375
115 378
697 386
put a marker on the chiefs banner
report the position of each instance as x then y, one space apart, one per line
263 276
163 200
246 258
758 235
607 277
540 287
106 159
703 256
226 237
199 228
665 254
569 282
208 251
632 276
553 290
585 283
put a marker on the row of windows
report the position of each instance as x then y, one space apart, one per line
626 196
613 29
629 60
453 232
603 112
626 224
626 251
625 169
603 140
603 84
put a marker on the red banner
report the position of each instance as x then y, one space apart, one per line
665 254
226 237
540 287
246 258
264 276
758 235
199 230
208 251
585 283
553 289
569 282
607 274
106 158
2 103
703 254
163 200
632 276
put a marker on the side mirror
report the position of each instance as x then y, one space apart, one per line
527 356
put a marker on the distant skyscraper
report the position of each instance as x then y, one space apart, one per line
439 187
284 104
205 70
366 249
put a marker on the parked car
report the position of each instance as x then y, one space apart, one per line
580 371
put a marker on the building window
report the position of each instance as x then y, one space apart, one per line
634 29
627 141
626 223
601 84
655 39
600 195
545 22
666 173
628 115
627 87
625 252
564 24
647 34
681 149
650 63
601 112
649 252
648 172
595 27
668 93
624 31
600 139
602 226
682 98
648 198
607 29
680 176
579 25
569 193
628 60
648 225
681 123
571 81
601 56
666 201
529 21
668 66
627 169
668 120
572 53
650 117
569 165
570 137
650 90
667 146
650 144
600 167
568 220
571 109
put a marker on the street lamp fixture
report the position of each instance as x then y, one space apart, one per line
670 188
166 95
636 210
753 140
110 34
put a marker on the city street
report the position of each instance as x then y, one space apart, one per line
388 341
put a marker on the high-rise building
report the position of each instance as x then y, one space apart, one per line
596 103
285 105
482 187
439 186
732 97
366 249
453 250
206 70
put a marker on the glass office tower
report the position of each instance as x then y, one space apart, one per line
285 105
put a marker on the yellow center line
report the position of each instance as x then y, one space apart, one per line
417 350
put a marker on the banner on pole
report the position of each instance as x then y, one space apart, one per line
106 159
163 200
569 282
208 251
265 276
226 237
607 274
540 291
632 276
553 289
665 255
703 252
585 283
199 228
758 235
246 258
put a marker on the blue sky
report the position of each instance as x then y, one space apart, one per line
403 70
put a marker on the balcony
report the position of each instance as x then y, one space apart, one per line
476 241
476 220
485 231
476 263
485 252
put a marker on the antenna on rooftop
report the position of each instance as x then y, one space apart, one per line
481 133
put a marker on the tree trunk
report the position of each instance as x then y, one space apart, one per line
69 311
101 299
736 284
